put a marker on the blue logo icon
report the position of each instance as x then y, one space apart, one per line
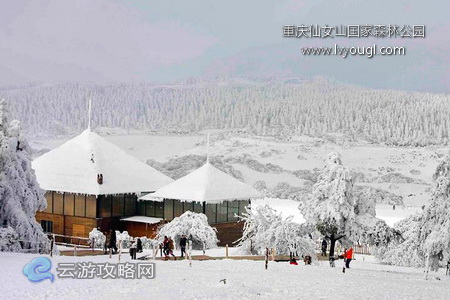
38 269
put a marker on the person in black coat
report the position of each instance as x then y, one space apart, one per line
139 245
113 240
324 247
183 241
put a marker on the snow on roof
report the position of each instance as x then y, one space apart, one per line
142 219
207 183
73 167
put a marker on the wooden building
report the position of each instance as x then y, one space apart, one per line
210 191
90 183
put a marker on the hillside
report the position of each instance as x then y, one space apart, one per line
282 108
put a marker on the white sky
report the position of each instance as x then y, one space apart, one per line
162 41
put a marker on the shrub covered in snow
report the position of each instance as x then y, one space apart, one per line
125 238
20 194
148 243
192 225
97 238
9 240
265 228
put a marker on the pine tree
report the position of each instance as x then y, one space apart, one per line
425 236
20 194
337 213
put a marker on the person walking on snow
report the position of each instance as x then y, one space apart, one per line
183 241
324 247
133 249
171 247
348 256
166 247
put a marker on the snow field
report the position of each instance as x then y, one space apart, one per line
245 279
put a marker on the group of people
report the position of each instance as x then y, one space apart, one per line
168 246
347 255
135 247
110 244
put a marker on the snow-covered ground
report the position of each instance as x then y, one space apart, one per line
245 279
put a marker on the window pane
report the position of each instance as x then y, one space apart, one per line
242 205
80 202
130 205
178 208
104 206
69 204
168 209
159 213
198 207
117 205
141 208
57 203
91 206
233 208
222 212
48 197
211 210
150 209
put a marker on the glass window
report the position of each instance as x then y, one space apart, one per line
117 205
159 209
91 206
150 208
198 207
104 206
69 207
80 205
178 208
168 209
130 205
49 199
58 203
233 208
47 226
222 212
141 208
188 206
242 205
211 211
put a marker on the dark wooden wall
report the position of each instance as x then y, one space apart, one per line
228 233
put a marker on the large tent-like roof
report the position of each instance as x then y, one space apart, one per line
206 184
74 166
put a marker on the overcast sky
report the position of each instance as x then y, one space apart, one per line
163 41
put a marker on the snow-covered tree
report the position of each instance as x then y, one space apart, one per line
9 240
97 238
425 236
335 211
20 194
191 225
265 228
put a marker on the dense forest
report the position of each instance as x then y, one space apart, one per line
280 108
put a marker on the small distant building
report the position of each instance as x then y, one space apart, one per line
92 183
210 191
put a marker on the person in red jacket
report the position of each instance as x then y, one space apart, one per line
348 256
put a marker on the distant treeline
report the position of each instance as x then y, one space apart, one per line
313 108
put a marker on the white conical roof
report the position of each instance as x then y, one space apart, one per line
206 184
73 167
